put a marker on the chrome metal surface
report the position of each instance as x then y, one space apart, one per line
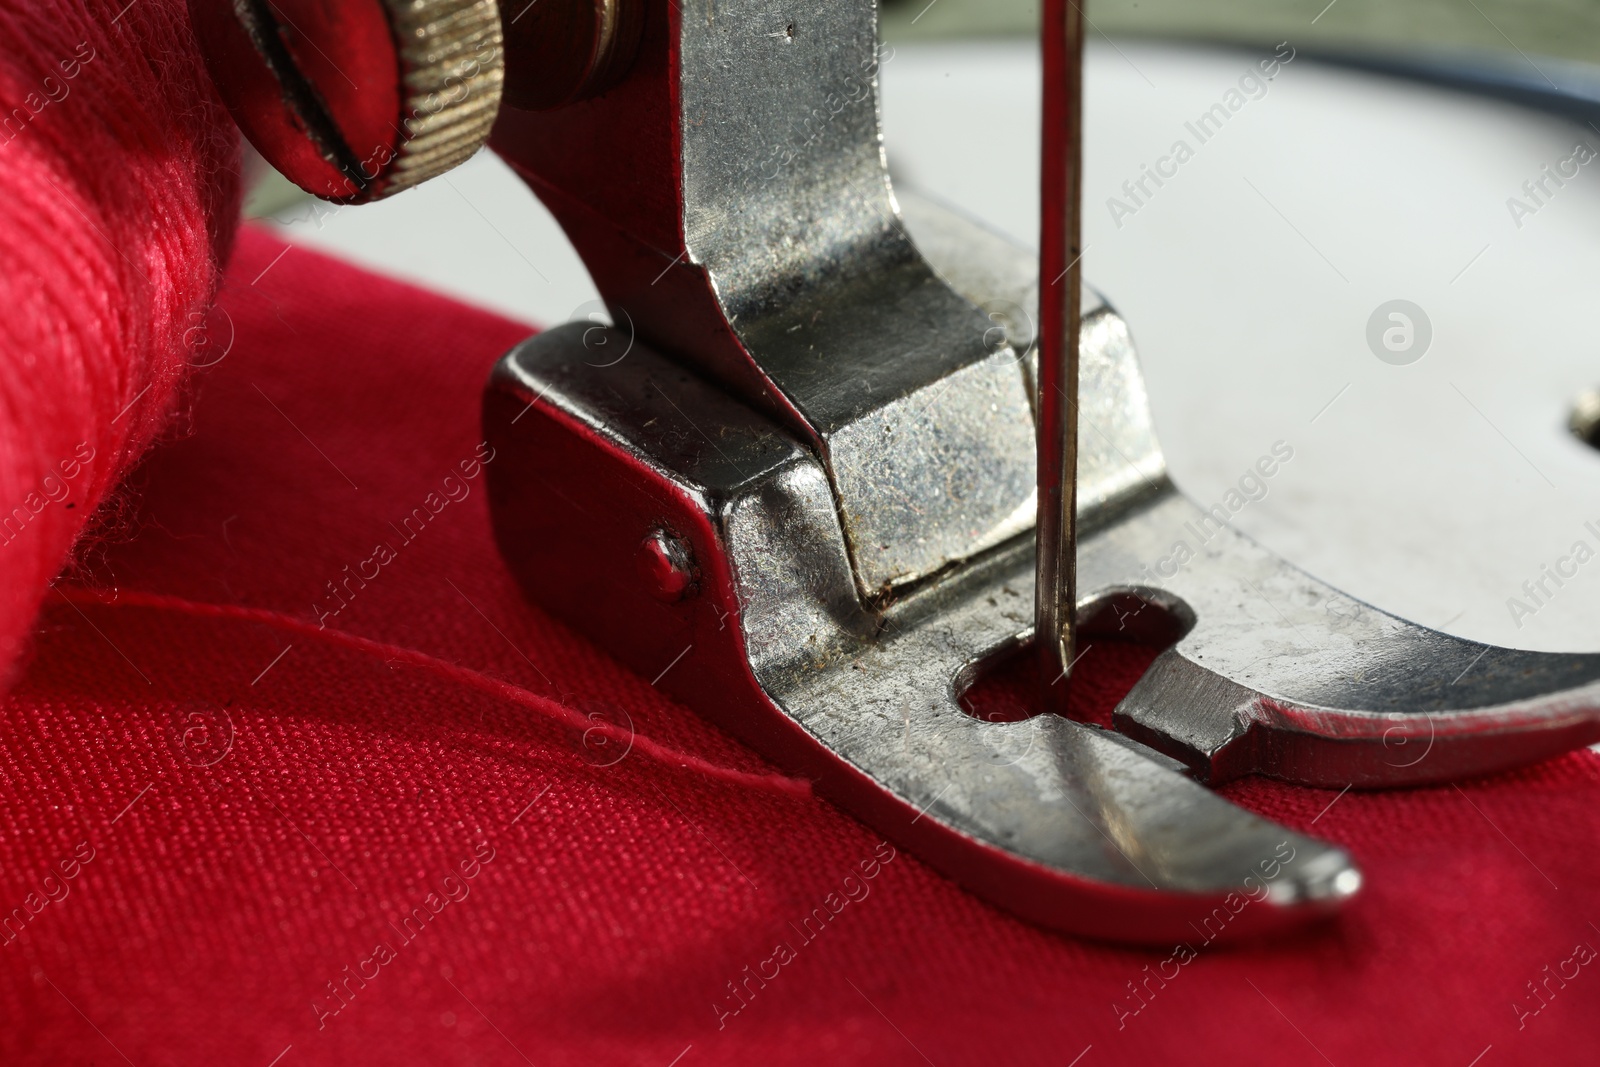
754 234
802 503
1285 676
1068 825
1071 826
1277 673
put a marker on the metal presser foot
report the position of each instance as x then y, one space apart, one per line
797 487
804 478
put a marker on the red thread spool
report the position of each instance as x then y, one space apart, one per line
118 197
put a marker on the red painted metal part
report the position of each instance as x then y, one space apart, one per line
561 51
314 84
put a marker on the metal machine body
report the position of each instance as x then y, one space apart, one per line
766 634
834 444
731 199
796 486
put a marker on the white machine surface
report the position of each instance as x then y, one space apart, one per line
1433 486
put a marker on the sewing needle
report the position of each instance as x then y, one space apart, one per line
1060 216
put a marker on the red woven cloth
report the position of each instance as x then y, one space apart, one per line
207 817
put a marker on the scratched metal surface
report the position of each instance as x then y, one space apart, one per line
1434 490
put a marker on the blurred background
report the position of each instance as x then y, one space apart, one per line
1565 28
1394 160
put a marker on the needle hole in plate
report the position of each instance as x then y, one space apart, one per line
1120 635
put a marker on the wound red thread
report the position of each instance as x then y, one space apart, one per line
119 195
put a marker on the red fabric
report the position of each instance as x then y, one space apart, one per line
229 885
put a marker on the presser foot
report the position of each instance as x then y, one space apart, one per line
803 498
687 533
716 565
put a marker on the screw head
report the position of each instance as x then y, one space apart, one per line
1585 419
361 99
667 566
561 51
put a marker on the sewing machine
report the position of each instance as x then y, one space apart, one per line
791 475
